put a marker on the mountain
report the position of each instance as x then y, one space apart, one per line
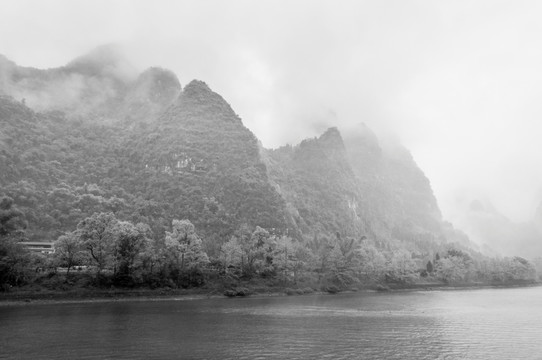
95 136
356 186
318 185
500 235
201 161
153 91
398 196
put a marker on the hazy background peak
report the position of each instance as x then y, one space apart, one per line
458 82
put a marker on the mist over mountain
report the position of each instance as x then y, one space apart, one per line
90 86
498 234
95 136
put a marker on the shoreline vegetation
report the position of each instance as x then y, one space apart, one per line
108 258
23 295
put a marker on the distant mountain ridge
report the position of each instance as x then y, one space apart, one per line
500 235
148 150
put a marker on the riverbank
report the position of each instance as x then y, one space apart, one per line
39 294
96 295
461 286
26 296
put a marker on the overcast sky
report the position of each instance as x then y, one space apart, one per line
459 82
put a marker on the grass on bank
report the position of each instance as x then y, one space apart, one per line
85 286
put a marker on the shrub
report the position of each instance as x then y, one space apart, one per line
242 291
289 291
230 293
332 289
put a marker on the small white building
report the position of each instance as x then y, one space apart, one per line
39 246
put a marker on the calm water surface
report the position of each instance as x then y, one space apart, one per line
473 324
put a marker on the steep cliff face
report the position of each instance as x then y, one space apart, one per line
397 196
318 185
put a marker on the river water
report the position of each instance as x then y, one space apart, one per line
473 324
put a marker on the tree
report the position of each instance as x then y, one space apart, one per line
300 260
98 235
402 266
154 256
185 246
322 247
451 270
15 264
252 247
344 261
12 220
373 263
131 243
429 267
231 254
14 258
454 266
291 257
519 269
283 256
68 250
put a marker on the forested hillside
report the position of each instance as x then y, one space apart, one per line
95 144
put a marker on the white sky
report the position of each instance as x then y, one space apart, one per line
459 82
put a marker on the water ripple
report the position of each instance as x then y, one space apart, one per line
486 324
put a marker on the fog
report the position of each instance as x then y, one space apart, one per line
457 82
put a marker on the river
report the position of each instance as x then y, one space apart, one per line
471 324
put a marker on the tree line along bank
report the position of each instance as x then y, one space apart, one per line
117 253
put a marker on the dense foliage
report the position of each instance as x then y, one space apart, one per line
106 251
